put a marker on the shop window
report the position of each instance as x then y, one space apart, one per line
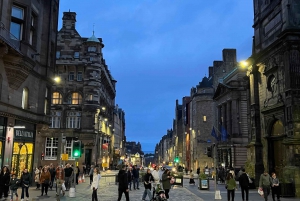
75 99
73 120
55 119
51 148
17 22
56 98
22 157
25 98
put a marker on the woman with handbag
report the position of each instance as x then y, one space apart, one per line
166 177
45 180
25 183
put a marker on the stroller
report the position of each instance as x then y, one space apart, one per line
158 193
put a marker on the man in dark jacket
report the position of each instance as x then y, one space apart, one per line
148 178
123 183
244 184
136 175
52 173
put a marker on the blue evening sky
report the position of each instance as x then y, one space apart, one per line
158 49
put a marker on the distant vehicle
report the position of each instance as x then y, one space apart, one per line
172 169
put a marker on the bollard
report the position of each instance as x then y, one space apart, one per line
35 199
72 192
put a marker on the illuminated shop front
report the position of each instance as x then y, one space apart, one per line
23 149
2 138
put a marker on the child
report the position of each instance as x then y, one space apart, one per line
14 184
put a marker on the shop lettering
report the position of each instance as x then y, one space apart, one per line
20 133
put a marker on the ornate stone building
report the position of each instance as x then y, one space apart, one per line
274 78
27 62
83 100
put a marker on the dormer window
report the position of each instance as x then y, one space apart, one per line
92 49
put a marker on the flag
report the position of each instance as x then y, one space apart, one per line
223 134
214 134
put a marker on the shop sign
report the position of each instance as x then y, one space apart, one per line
24 133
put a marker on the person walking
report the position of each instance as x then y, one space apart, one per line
60 180
136 175
130 177
68 176
95 184
244 184
14 185
123 184
192 181
231 187
52 173
25 183
91 173
45 180
37 176
265 184
166 177
148 179
77 172
275 187
4 182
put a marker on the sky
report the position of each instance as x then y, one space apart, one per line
157 50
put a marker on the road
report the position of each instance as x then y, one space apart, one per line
108 192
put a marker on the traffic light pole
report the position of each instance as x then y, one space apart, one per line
217 192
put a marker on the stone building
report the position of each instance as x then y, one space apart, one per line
186 159
27 62
83 100
274 78
201 123
230 102
179 135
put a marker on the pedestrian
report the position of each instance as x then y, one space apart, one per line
275 187
77 171
95 184
265 183
244 184
239 173
84 169
231 187
14 185
136 175
198 170
4 182
52 173
123 183
166 177
68 176
130 177
45 180
91 174
25 183
148 179
37 176
192 181
60 181
232 172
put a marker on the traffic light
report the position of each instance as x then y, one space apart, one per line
76 149
176 159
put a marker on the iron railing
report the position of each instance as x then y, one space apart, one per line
9 38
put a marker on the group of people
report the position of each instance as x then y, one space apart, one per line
160 182
267 184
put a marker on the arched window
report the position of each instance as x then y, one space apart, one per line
75 99
56 98
25 98
278 128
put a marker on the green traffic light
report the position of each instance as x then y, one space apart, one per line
76 153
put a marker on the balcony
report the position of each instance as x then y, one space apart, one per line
10 39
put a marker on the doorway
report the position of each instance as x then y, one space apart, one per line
88 156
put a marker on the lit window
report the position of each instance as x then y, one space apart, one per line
76 55
73 119
204 118
55 119
71 76
75 99
25 98
79 76
90 97
51 148
56 98
16 24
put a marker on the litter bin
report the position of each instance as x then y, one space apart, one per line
203 184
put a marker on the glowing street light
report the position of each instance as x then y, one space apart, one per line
57 79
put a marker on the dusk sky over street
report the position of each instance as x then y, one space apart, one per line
157 50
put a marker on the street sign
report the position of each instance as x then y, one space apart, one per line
64 157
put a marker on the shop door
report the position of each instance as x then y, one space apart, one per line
22 158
